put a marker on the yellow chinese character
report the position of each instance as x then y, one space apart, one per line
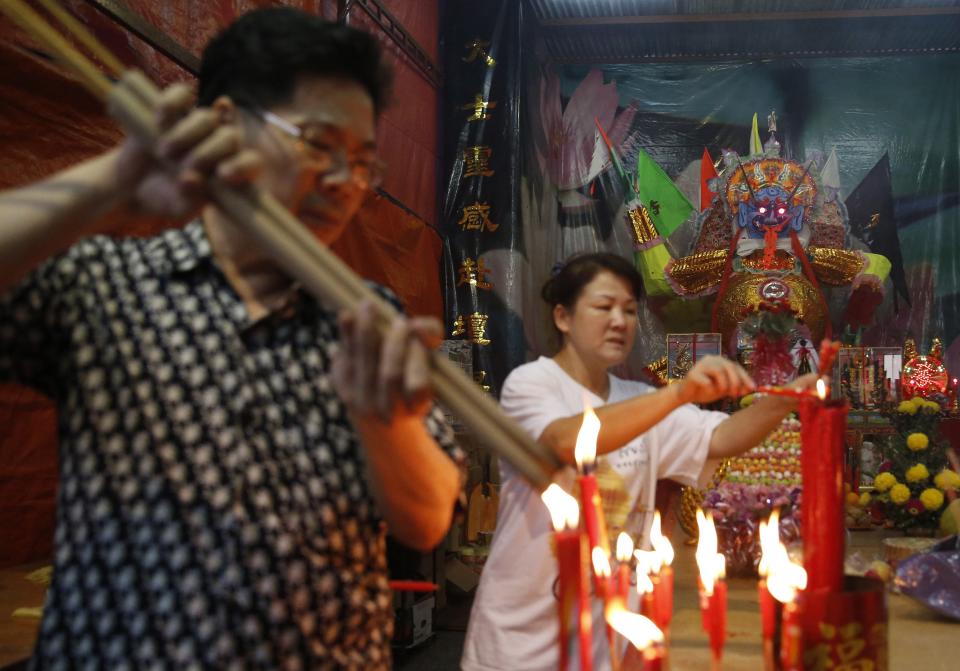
478 49
479 107
476 161
476 217
477 328
479 377
474 273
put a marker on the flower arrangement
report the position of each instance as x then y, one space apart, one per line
907 493
769 326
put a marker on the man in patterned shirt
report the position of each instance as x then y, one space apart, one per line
231 453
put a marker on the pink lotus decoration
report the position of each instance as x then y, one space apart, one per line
571 152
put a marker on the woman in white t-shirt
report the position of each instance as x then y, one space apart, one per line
513 624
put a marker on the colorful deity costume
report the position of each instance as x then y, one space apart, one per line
769 233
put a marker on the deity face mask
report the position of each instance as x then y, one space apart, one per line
770 211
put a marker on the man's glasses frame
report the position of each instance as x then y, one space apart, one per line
367 174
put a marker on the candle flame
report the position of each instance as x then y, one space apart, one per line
648 561
644 584
712 564
821 389
784 577
601 564
639 630
624 547
768 542
564 509
585 451
661 544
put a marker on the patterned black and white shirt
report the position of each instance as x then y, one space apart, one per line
212 509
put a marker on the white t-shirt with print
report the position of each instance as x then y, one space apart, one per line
513 624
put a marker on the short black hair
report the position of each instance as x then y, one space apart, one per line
257 59
567 283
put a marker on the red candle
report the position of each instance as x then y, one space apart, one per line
585 616
645 589
640 631
791 639
663 598
718 620
585 453
653 657
768 611
713 589
662 577
822 426
565 515
768 542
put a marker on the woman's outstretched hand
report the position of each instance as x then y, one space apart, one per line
713 378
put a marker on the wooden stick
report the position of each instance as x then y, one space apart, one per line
82 35
290 243
34 24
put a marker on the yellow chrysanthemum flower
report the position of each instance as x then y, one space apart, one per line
931 406
884 481
931 498
899 494
917 472
907 408
918 401
917 441
865 499
947 479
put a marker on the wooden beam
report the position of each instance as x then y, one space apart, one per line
740 17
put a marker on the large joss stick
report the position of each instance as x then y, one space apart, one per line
134 101
712 586
822 426
565 515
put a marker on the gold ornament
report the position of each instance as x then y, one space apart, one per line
746 291
910 349
699 273
644 232
836 267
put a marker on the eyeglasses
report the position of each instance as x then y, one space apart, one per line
318 143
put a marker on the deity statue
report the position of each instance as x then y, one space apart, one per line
770 233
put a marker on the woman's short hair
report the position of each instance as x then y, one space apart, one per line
570 278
